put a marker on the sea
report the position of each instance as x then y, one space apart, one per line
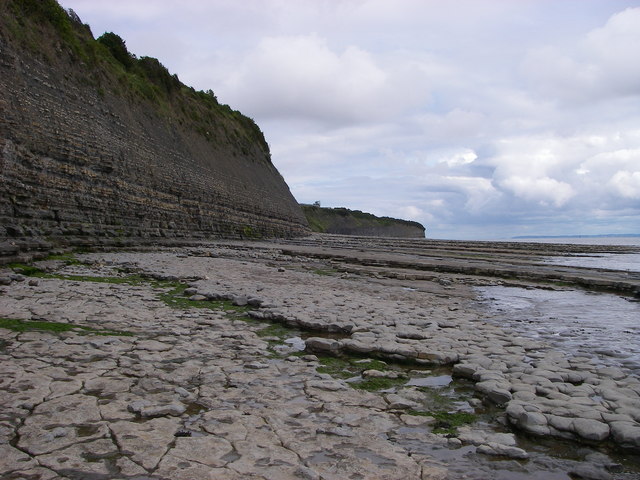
603 326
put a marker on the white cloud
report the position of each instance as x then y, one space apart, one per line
627 183
516 117
301 76
543 190
411 212
479 191
603 63
463 157
612 159
455 124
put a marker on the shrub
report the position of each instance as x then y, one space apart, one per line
118 48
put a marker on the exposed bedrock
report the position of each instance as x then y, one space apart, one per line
83 160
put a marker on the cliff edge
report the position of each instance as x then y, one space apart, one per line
354 222
97 148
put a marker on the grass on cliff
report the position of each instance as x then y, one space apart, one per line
56 35
324 220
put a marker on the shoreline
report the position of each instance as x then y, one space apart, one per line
364 302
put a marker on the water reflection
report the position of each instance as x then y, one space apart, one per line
603 326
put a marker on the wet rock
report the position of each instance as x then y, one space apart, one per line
396 402
564 424
267 420
532 422
454 442
586 471
497 449
240 301
612 372
471 436
136 406
590 429
328 385
378 374
434 473
319 344
465 370
337 431
256 365
183 392
255 302
172 409
626 433
496 392
417 420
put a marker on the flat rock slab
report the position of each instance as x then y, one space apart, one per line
146 442
201 393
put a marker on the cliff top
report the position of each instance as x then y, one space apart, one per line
55 35
344 220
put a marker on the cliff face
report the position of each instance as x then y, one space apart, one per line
354 222
91 154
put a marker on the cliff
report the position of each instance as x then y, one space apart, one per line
354 222
98 151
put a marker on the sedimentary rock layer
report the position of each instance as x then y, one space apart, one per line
85 160
110 371
343 221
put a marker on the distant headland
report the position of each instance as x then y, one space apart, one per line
344 221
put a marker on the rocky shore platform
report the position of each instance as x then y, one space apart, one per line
326 357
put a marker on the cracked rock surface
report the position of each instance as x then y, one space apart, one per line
151 391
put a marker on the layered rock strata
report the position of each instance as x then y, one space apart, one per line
342 221
84 161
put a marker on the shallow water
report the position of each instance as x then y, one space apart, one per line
431 381
629 262
602 326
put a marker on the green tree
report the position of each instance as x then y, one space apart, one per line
118 48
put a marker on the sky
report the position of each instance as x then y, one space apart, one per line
481 119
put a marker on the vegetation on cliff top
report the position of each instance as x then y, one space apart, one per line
327 220
49 31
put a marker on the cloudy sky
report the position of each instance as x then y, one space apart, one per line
481 119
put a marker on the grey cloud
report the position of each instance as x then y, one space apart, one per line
511 118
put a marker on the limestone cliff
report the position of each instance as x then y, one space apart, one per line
354 222
93 151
